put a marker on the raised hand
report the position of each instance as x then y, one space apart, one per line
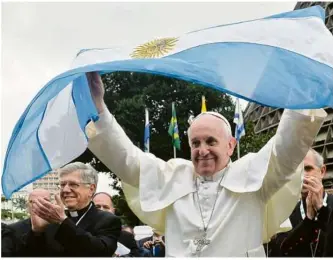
314 185
96 89
310 211
148 244
37 223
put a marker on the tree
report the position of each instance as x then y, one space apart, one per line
20 203
252 142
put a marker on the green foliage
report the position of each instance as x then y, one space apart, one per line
252 142
20 203
3 198
7 214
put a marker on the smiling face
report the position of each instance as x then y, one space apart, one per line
74 193
211 145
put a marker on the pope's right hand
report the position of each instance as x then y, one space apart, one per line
96 90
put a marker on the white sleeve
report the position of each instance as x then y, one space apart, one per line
111 145
294 137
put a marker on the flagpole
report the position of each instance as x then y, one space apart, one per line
238 150
174 152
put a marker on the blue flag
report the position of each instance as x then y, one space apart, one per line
285 60
239 121
146 140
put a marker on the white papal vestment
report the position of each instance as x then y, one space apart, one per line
256 193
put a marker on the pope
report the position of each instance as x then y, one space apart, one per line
209 206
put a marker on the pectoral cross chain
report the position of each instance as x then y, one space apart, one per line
201 242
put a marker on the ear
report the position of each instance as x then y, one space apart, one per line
323 171
92 189
231 145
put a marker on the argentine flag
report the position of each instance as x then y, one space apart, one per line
285 60
238 120
147 132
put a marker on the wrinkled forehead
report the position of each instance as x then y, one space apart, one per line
74 175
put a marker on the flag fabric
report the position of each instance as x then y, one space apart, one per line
146 140
288 54
203 104
238 120
173 128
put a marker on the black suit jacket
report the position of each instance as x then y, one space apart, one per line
10 241
95 235
328 248
304 234
19 230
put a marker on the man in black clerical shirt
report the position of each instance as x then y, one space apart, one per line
310 218
103 201
82 229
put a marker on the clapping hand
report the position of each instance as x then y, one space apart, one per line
37 223
314 199
49 212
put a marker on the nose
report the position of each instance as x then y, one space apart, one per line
203 150
66 188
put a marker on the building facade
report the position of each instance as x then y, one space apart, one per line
49 182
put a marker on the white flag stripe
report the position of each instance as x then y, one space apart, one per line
60 135
264 32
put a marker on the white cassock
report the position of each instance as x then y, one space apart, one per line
254 195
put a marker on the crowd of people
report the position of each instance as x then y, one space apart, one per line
209 206
89 226
79 223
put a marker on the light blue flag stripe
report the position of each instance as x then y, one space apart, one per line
261 73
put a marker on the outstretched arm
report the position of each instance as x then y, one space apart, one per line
294 137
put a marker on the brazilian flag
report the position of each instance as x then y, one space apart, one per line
173 128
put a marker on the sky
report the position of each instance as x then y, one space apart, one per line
40 40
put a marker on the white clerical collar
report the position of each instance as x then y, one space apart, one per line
73 214
216 176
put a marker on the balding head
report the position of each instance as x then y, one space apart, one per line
38 193
211 143
103 201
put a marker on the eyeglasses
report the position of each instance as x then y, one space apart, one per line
71 185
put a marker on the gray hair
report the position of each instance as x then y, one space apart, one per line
319 160
88 173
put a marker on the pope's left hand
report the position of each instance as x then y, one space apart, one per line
53 213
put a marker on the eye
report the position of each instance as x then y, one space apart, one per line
308 168
211 141
195 143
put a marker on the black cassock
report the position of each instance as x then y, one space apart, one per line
308 237
95 235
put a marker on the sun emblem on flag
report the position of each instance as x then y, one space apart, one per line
155 48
